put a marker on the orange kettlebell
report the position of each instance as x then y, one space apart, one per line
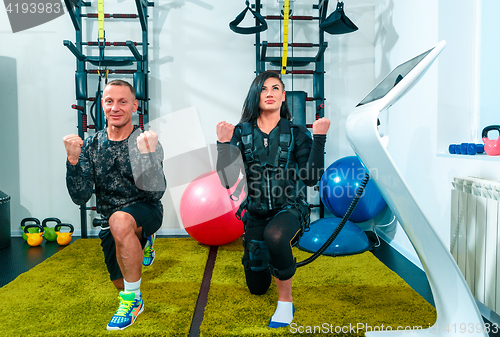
64 238
23 224
34 239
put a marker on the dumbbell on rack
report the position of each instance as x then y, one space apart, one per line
466 148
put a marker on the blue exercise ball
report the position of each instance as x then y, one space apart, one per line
350 240
338 187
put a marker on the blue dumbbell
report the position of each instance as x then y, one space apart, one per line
452 149
466 148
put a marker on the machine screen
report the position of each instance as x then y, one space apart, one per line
391 80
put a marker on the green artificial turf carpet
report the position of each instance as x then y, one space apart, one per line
70 294
341 296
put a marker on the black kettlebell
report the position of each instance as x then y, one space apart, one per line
31 229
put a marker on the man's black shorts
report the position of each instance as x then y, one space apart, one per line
147 216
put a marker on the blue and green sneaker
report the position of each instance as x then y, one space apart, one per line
127 312
149 252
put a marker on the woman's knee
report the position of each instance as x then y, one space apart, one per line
282 229
258 282
273 236
257 290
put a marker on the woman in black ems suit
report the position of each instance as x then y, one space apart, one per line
273 154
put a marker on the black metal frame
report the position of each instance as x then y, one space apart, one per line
74 8
319 72
261 59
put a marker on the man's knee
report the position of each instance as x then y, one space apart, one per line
122 223
118 283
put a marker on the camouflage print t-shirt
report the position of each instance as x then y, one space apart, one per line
121 174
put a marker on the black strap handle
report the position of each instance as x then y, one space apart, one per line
40 228
260 27
237 192
70 226
44 222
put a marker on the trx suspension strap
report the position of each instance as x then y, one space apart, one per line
286 13
101 41
261 24
100 19
102 68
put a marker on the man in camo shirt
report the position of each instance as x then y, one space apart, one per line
124 165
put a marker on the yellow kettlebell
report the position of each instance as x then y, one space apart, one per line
64 238
34 239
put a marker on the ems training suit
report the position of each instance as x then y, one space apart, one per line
275 210
124 180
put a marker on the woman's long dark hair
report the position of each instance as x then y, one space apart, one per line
251 110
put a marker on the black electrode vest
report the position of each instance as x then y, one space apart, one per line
270 175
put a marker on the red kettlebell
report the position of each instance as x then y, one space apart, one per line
64 238
491 146
34 239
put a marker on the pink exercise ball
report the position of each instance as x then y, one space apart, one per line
208 213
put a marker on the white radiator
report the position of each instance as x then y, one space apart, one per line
475 236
